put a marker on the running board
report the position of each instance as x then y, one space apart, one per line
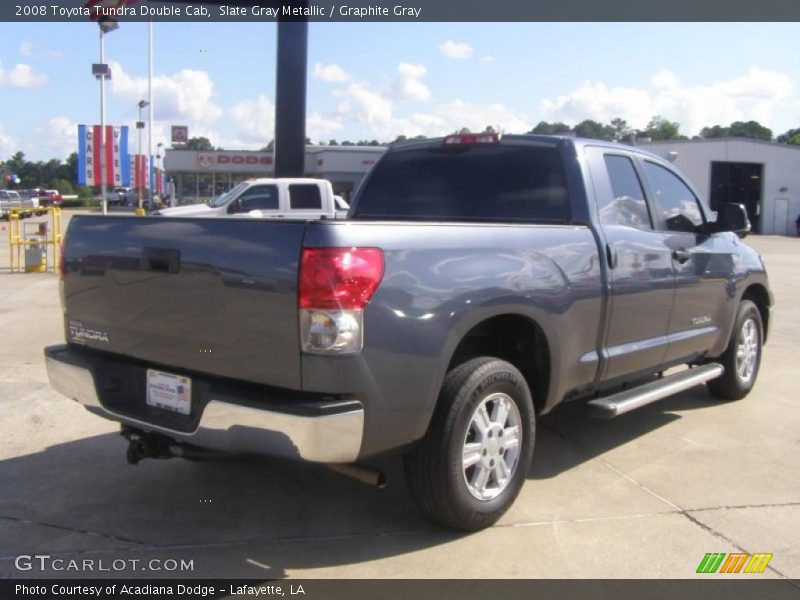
622 402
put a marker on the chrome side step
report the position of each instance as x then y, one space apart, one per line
622 402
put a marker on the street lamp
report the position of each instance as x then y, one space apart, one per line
102 72
139 127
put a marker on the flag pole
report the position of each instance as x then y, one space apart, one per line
103 125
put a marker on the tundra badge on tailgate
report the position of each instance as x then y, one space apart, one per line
80 334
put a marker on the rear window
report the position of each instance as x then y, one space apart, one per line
480 183
304 196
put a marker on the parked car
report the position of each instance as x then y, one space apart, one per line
50 198
10 199
285 197
477 283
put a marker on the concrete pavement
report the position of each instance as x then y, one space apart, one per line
643 496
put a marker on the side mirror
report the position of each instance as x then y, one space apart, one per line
731 217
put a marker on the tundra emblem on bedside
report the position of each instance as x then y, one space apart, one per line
81 334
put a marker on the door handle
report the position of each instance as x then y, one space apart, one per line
611 254
681 255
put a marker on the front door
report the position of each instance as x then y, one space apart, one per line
702 264
641 279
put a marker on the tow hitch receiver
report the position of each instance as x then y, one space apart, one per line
144 444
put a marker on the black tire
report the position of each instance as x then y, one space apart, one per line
434 471
738 380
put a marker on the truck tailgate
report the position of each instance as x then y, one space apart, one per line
217 296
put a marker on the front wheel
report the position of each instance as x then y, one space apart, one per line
742 357
471 464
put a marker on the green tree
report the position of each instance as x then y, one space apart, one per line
594 130
717 131
199 143
750 129
660 128
545 128
790 137
622 130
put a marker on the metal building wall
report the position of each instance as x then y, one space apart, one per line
781 170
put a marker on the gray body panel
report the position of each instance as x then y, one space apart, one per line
219 297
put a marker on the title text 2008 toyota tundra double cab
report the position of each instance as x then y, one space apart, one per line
476 283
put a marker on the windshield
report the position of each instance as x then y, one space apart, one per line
223 198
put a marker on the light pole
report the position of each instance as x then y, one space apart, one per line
102 72
139 127
160 167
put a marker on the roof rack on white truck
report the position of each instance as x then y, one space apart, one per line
300 197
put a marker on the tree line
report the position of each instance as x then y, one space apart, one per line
62 175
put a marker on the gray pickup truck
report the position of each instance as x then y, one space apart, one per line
477 283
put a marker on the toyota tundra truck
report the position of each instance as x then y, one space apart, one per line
478 282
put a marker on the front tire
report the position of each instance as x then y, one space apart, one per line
742 358
471 464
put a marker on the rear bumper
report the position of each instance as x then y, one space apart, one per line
330 432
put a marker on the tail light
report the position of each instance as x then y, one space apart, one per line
335 286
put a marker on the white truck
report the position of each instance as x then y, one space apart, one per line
270 198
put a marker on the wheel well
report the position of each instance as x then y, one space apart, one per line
759 296
515 339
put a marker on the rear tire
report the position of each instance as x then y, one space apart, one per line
742 357
471 464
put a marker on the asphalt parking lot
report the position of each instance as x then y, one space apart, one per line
644 496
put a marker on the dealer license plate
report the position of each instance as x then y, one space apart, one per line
169 391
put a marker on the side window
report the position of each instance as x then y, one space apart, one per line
677 203
260 197
304 196
628 206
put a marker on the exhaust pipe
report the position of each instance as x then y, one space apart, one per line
368 475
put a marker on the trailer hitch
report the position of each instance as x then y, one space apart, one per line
145 444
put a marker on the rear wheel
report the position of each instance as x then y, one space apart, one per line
742 357
472 463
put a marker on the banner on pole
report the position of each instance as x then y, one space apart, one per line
117 158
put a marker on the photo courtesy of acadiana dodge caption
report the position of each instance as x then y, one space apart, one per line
476 282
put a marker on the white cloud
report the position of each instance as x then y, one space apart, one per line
757 95
408 85
321 127
60 135
7 144
21 76
487 58
28 49
255 120
332 73
456 50
187 94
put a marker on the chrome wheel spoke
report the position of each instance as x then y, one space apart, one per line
500 412
480 479
501 471
481 420
510 438
472 454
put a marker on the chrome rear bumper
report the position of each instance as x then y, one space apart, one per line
227 427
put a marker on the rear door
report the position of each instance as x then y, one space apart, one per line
702 264
640 266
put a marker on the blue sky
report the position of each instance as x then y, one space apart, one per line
371 80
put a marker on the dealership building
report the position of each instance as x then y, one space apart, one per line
764 176
199 176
